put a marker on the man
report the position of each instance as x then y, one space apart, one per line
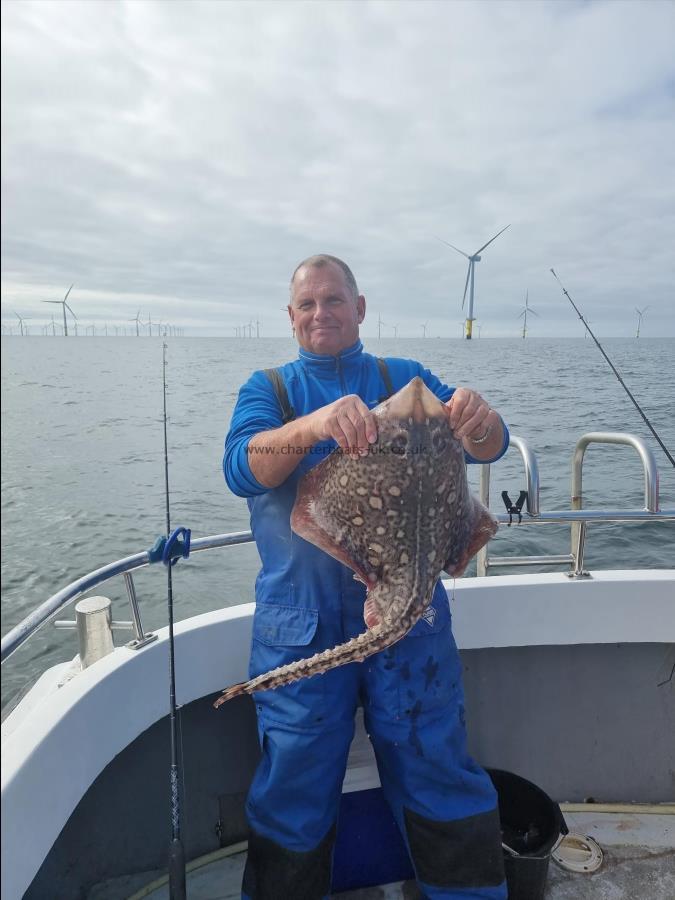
306 602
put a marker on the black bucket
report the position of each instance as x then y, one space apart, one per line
531 825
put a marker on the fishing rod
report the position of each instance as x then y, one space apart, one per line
176 849
621 381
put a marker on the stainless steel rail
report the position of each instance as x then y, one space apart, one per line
578 530
574 518
51 607
43 613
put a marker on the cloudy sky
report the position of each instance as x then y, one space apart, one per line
181 157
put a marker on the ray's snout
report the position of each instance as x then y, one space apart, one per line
415 401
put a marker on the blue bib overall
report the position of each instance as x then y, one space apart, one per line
307 602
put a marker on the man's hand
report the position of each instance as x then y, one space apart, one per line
478 427
348 421
469 413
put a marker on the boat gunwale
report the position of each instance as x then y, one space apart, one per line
42 614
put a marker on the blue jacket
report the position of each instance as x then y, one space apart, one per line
295 573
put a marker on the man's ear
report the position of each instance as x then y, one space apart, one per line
361 307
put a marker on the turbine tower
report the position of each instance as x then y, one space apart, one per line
640 313
64 303
470 276
526 309
380 323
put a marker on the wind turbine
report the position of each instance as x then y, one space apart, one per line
138 322
424 328
21 321
526 309
470 276
395 327
380 323
640 313
64 303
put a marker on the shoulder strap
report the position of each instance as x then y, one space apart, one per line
386 377
287 411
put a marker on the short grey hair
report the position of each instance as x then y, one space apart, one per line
323 259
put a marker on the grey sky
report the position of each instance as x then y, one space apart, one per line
181 158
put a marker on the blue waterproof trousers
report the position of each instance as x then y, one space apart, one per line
444 804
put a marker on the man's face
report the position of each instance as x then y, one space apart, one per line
324 311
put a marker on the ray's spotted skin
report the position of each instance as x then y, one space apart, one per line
397 516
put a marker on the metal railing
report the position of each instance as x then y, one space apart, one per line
576 516
71 592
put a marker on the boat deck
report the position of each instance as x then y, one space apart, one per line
638 863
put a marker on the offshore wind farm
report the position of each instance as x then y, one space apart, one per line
113 328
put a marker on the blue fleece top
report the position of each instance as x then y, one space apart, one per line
295 572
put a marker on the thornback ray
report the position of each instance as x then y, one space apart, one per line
397 516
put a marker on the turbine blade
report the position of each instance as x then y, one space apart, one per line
492 239
520 315
68 291
453 246
70 310
533 312
51 301
466 285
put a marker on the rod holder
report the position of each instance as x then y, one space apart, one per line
93 616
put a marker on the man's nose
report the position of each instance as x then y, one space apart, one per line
322 311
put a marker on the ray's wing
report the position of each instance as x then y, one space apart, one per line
317 518
483 527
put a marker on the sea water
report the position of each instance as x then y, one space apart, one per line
83 460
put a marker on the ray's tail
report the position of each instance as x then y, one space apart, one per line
356 650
